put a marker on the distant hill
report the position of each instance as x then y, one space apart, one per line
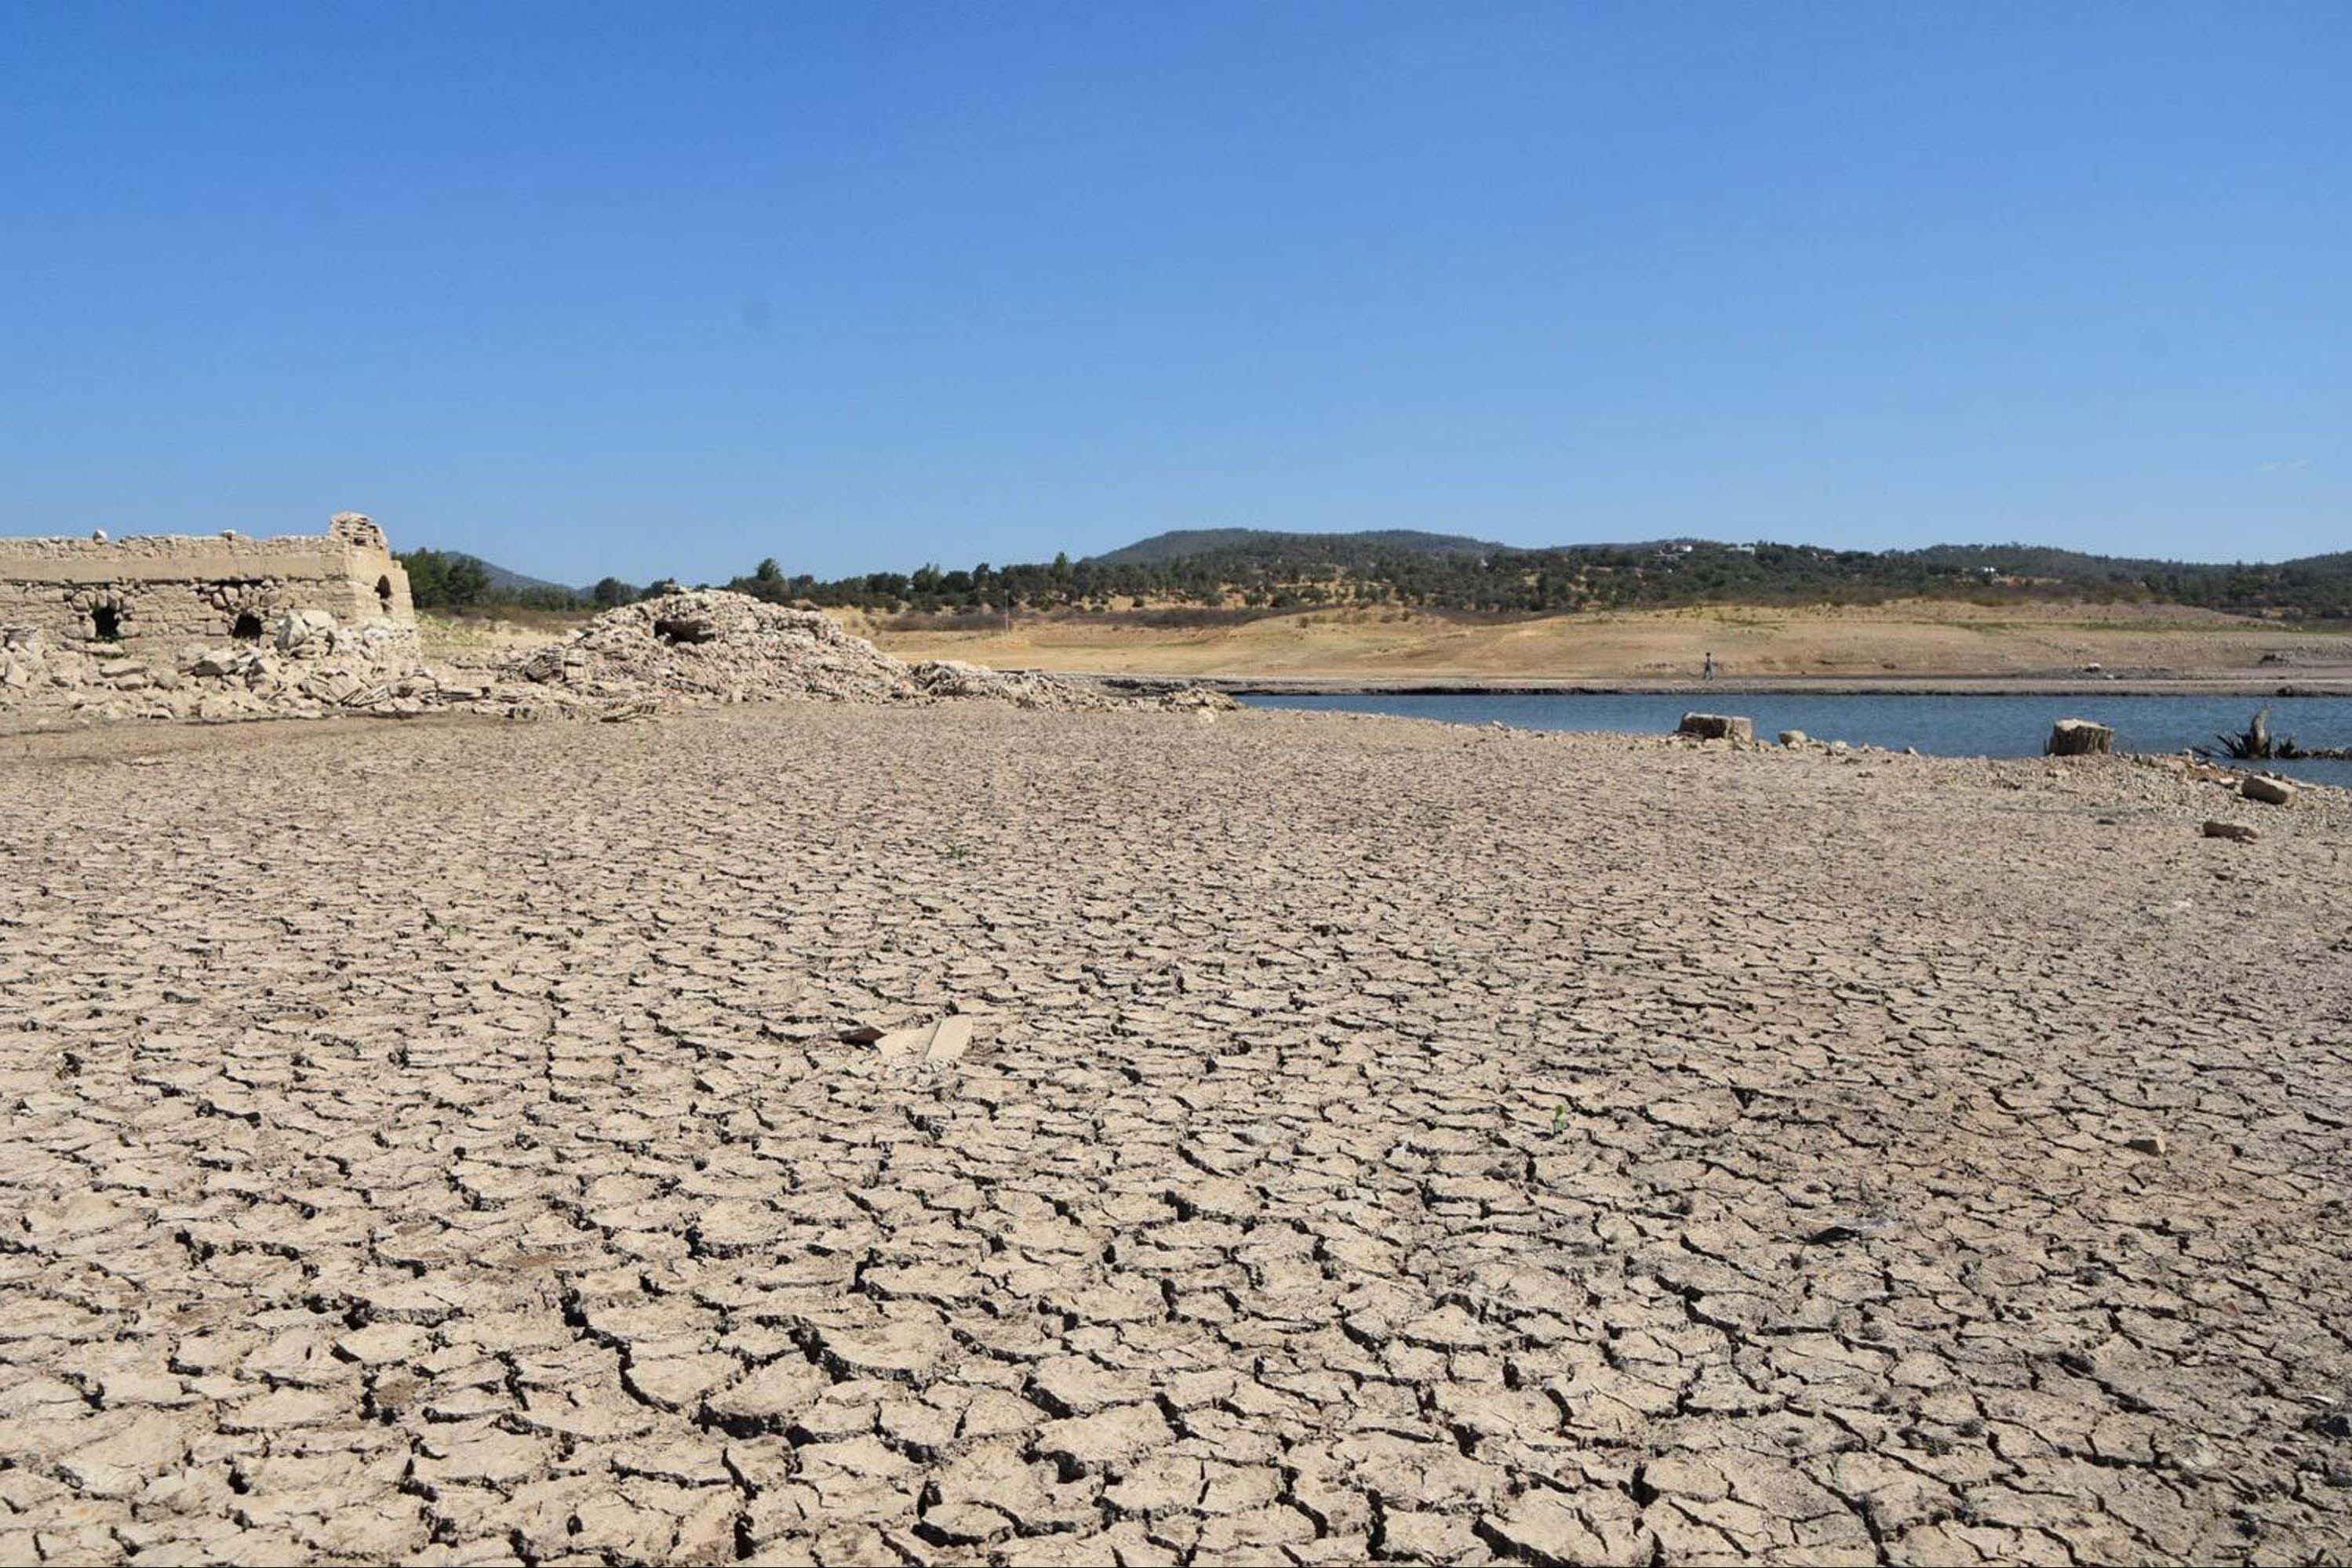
1334 550
1255 571
453 580
1245 570
505 582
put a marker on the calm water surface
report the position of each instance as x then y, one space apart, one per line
1940 725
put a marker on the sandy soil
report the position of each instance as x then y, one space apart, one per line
1932 639
476 641
454 1141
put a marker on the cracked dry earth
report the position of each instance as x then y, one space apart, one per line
1377 1140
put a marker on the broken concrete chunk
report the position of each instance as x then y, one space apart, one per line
2237 833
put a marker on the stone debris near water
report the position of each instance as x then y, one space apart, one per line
2079 737
699 647
1794 737
637 662
2270 791
309 666
440 1144
1718 726
711 645
2239 832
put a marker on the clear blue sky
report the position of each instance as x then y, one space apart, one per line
665 289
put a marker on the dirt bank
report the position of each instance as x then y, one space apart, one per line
1904 642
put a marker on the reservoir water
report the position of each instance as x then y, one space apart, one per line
1942 725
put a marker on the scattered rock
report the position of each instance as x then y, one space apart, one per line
2270 791
1794 737
2237 831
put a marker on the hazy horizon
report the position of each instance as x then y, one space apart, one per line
584 292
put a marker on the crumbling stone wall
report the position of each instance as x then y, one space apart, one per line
158 591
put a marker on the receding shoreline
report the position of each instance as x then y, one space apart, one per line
2224 685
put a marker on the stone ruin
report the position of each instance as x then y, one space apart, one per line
177 628
150 594
169 626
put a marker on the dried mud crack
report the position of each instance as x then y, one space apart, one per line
1361 1140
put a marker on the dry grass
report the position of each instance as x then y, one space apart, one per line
1910 639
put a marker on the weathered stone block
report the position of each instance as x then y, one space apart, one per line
1718 726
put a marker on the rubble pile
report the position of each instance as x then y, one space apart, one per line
707 645
713 645
1022 688
306 665
678 650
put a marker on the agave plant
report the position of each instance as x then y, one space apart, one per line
2255 743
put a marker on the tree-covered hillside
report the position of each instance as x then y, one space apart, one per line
1257 572
1245 571
1273 545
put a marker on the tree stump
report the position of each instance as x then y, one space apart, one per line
2079 737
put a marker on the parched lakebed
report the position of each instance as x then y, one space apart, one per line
464 1141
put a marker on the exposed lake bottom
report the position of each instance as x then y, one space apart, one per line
1941 725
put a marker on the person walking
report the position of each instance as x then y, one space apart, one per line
1706 672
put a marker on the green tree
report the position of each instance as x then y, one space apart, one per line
444 580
